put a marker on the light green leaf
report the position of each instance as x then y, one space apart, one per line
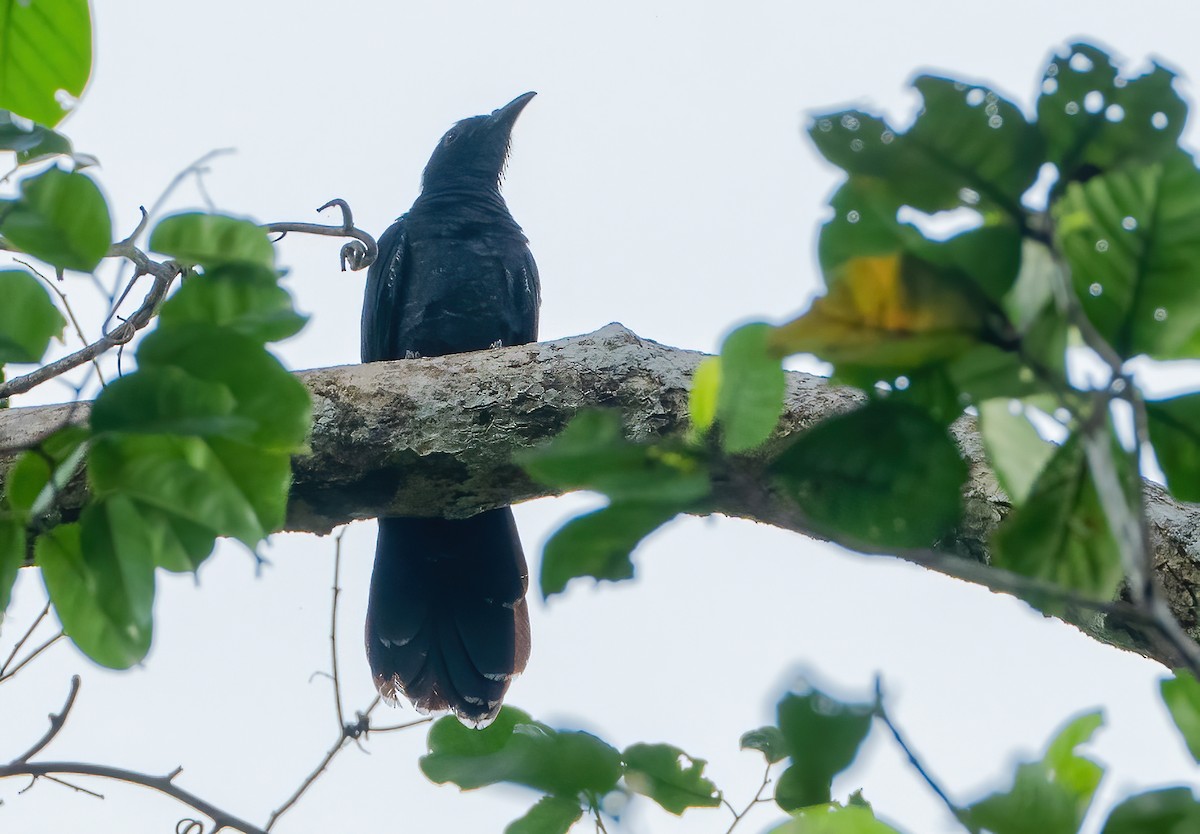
245 298
213 240
1015 450
750 398
60 218
28 318
47 47
702 398
1181 694
551 815
834 819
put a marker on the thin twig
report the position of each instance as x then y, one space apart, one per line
333 652
62 296
24 638
881 713
31 656
737 817
359 254
71 785
57 720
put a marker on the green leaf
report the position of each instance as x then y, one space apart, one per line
518 750
1132 238
1051 796
1092 121
894 312
551 815
166 400
12 556
1175 434
592 453
1181 694
834 819
245 298
823 736
273 400
60 218
1014 448
599 543
213 240
855 475
750 398
702 398
767 740
47 47
41 472
670 777
28 318
1167 811
102 598
1061 532
968 147
30 141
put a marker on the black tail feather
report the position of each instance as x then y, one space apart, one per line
447 623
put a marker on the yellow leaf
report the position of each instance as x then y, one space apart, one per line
702 400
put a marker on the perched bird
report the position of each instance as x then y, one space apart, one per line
447 623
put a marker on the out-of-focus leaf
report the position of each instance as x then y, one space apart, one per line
1061 532
1175 433
767 740
750 399
245 298
60 218
516 749
1132 238
28 318
834 819
39 473
1094 121
12 556
886 474
1016 452
892 312
103 600
1181 694
30 141
551 815
1051 796
599 543
1167 811
670 777
165 400
213 240
702 398
46 50
823 736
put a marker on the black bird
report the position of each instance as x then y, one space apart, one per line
447 623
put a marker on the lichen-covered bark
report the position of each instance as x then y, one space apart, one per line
438 436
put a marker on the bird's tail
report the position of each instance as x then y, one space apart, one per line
447 623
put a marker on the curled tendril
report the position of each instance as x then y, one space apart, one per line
357 254
189 826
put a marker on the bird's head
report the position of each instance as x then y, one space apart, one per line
473 152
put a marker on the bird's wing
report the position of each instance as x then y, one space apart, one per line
383 300
529 301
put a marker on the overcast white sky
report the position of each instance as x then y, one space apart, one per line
664 182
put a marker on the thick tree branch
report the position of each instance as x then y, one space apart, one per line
438 435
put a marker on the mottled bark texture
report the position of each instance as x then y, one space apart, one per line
438 436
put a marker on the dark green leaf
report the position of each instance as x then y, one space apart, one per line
1051 796
275 401
551 815
79 582
1132 239
834 819
1061 532
767 740
213 240
823 736
28 318
1167 811
863 225
750 398
165 400
592 453
12 556
855 475
245 298
1092 121
599 543
60 218
1175 433
47 48
1181 694
30 141
670 777
516 749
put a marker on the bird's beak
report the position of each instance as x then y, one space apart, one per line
506 116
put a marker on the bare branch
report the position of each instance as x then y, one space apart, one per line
358 254
56 724
24 639
31 656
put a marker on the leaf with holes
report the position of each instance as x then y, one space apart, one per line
670 777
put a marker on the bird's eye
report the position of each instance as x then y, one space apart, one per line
449 137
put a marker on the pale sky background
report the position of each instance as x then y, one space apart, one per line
664 181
